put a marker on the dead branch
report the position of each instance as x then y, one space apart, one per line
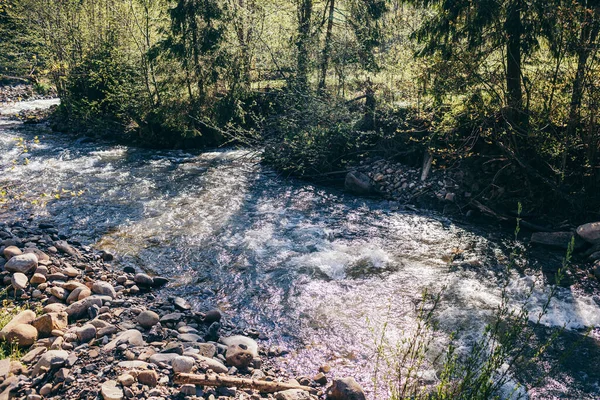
229 381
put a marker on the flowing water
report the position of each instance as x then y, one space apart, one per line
316 271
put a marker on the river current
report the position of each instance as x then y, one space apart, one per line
317 271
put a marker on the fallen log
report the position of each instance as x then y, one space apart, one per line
230 381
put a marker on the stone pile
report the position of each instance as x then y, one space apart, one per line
89 332
400 183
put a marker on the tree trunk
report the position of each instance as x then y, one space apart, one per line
327 47
588 35
514 30
304 24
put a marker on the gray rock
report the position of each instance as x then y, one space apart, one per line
148 319
23 263
144 280
19 281
86 333
132 337
181 303
104 289
345 389
66 248
357 182
242 341
590 232
182 364
188 390
162 358
293 394
209 363
50 359
172 317
110 391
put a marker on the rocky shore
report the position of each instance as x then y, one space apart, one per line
72 327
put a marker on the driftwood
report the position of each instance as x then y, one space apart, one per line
230 381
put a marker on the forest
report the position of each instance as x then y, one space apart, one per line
506 87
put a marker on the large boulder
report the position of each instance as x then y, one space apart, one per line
23 263
238 356
23 335
357 182
345 389
24 317
131 337
590 232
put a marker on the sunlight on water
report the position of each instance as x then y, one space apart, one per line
317 271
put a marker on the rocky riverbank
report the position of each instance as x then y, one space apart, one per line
76 328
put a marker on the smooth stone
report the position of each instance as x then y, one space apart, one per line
292 394
23 263
37 278
148 319
24 317
162 358
189 337
54 308
71 272
132 337
11 251
345 389
160 281
126 380
110 391
213 364
77 294
104 289
212 316
59 293
148 377
79 309
242 341
42 257
182 364
207 349
19 281
66 248
23 335
72 285
357 182
86 333
238 356
188 389
52 358
590 232
172 317
182 304
132 364
143 279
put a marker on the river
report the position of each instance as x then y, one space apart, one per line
315 270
